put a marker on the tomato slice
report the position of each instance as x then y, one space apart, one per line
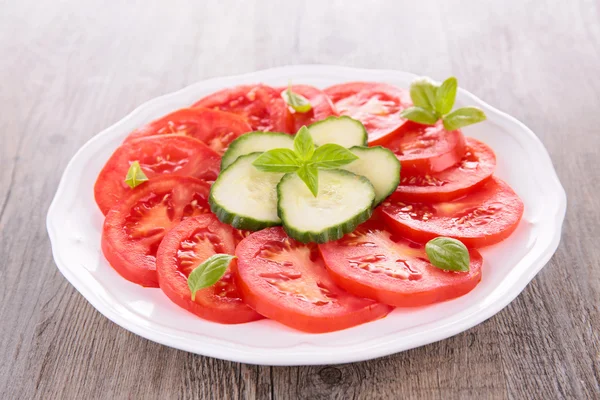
239 235
184 248
483 217
157 155
476 166
321 107
372 262
285 280
426 149
261 105
134 229
376 105
215 128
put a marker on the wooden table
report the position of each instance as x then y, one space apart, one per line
69 69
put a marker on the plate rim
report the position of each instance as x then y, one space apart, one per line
282 356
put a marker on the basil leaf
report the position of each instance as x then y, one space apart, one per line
448 254
277 160
298 102
420 115
423 93
135 175
445 96
463 117
303 144
208 273
331 155
310 176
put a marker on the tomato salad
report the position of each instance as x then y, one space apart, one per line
321 209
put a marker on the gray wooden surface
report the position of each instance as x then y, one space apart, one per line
70 68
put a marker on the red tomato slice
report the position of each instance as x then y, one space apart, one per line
425 149
285 280
184 248
476 166
376 105
374 263
239 235
481 218
261 105
321 107
134 229
215 128
157 155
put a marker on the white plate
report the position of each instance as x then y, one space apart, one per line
74 225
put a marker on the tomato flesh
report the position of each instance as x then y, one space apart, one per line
215 128
476 166
483 217
260 105
373 262
426 149
157 155
134 229
321 107
184 248
376 105
286 281
239 235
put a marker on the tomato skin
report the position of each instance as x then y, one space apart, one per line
475 168
215 128
131 234
351 267
484 217
261 106
296 308
376 105
220 302
158 155
321 107
426 149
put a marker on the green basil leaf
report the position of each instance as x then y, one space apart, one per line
278 160
423 93
303 144
208 273
448 254
420 115
298 102
310 176
463 117
445 96
331 155
135 175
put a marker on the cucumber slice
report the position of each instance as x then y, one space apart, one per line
255 142
344 131
344 201
244 197
380 166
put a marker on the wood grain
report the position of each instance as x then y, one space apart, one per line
70 68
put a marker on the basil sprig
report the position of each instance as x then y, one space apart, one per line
135 175
208 273
298 102
305 160
433 102
448 254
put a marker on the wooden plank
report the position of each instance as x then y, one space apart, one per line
71 69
